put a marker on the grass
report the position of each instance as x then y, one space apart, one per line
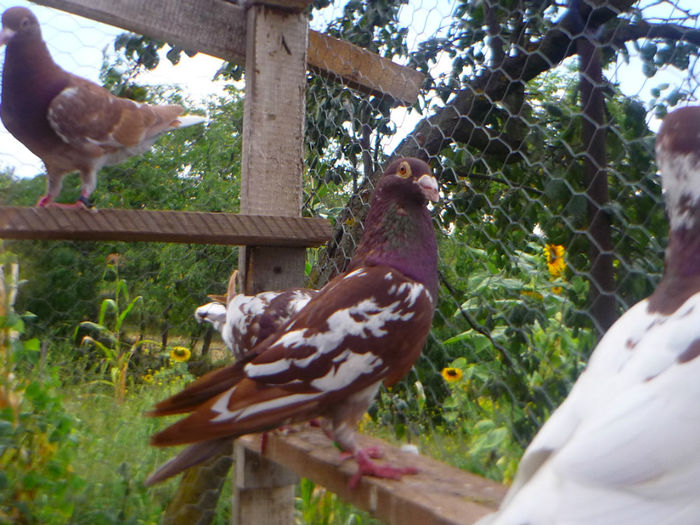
106 456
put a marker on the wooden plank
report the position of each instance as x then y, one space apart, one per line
363 70
287 5
214 27
161 226
218 28
438 494
273 133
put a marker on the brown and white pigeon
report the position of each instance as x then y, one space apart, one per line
243 321
69 122
365 327
624 447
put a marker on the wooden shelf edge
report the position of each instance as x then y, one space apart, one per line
438 494
161 226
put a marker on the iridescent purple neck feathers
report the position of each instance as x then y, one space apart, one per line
398 230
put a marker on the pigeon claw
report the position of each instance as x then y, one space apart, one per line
365 466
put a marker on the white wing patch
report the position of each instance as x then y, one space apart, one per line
243 413
351 365
365 319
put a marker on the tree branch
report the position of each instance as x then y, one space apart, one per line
462 119
625 32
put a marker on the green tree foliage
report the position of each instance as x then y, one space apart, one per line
194 169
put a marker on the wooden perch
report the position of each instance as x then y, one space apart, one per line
161 226
218 28
438 494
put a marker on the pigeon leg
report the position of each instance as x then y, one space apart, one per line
344 437
44 200
54 181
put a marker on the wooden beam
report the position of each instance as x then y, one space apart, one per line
161 226
214 27
218 28
363 70
438 494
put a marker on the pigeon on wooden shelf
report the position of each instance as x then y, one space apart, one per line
69 122
624 447
243 321
364 328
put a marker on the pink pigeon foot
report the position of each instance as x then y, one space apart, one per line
365 466
82 203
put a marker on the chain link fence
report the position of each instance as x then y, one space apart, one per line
537 117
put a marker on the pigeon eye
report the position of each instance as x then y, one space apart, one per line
404 170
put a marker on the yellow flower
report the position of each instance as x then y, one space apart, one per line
555 259
180 354
557 290
451 374
364 422
148 378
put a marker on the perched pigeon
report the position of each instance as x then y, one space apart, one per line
246 320
624 447
364 327
243 321
67 121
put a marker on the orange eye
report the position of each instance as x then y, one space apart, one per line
404 170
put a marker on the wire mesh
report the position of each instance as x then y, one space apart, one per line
538 119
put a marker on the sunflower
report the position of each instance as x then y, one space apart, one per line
451 374
555 259
148 378
180 354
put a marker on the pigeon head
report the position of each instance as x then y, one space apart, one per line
19 23
678 159
398 230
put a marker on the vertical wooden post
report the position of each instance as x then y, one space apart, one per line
271 184
263 490
273 135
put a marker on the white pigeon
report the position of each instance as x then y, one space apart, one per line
624 447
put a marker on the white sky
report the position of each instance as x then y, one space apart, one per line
77 45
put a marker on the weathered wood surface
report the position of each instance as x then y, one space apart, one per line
161 226
271 183
264 491
273 139
362 70
438 494
218 28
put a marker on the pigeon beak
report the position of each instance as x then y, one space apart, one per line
5 35
429 186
